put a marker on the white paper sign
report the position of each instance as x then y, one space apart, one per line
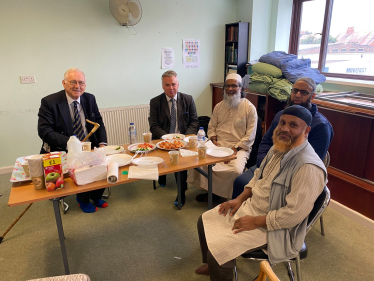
167 56
191 53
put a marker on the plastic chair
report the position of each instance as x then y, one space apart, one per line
317 211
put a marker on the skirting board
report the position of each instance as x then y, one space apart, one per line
4 170
353 215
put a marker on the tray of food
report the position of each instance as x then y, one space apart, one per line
141 147
171 145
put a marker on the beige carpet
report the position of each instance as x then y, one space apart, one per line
142 236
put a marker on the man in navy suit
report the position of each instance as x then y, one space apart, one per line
56 119
161 121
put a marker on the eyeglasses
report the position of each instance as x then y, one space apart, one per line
302 92
72 83
234 86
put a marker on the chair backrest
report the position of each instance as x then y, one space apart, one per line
253 156
266 272
204 122
326 160
319 207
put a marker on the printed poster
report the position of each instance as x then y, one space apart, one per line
167 58
191 53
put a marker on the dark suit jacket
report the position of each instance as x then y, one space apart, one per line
55 125
159 117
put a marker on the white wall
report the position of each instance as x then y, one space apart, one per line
44 38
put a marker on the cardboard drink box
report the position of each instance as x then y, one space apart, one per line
52 165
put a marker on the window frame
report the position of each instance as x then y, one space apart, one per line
293 47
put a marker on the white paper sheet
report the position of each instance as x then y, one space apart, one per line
167 58
149 172
191 53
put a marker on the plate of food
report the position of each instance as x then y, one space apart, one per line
171 145
121 159
141 147
113 149
219 151
19 175
148 161
173 137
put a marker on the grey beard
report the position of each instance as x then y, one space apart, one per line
233 101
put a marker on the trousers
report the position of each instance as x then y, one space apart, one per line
93 195
241 181
217 272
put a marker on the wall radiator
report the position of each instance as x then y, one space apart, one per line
117 121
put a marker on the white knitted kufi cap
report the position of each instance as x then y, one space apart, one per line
234 76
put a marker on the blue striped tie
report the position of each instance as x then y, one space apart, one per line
77 126
173 117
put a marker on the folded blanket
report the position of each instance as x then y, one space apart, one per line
256 77
293 74
258 87
280 89
295 64
277 58
267 69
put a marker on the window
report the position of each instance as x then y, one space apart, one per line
337 36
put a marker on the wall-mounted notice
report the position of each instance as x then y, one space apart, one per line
167 57
191 53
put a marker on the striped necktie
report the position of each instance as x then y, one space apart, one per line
77 126
173 117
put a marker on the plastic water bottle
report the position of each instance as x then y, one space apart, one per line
132 133
201 136
74 145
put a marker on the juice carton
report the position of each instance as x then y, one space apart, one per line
54 177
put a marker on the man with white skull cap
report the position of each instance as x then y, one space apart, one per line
232 125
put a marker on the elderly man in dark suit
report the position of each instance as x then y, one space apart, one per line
64 114
172 112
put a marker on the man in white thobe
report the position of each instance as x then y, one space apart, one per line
233 125
273 209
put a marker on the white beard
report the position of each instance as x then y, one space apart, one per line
233 101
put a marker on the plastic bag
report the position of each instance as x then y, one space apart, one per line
87 167
86 159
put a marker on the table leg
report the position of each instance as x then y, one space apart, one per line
179 184
210 180
209 176
61 235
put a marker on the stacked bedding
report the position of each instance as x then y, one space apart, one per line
278 71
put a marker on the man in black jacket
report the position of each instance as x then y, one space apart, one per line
57 123
173 112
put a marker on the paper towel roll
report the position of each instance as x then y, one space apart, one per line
112 175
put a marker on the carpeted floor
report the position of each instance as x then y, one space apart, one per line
142 236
